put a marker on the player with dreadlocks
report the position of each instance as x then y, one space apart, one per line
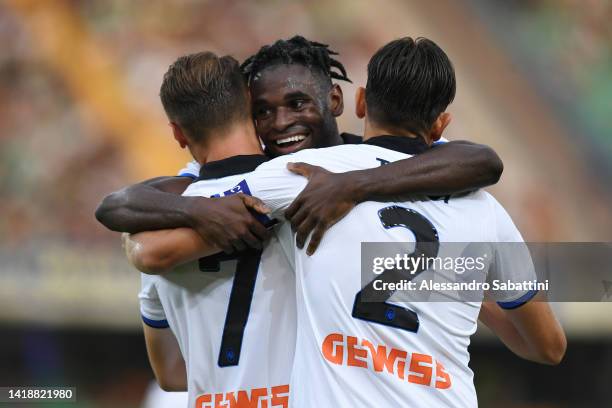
294 100
294 106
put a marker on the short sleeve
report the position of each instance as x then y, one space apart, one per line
151 309
276 186
440 141
511 273
191 170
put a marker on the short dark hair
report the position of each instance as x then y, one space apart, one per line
296 50
203 92
410 82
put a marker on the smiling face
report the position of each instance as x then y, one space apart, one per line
295 108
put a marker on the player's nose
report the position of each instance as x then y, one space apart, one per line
283 119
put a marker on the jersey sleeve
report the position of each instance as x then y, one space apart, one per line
440 141
272 183
191 170
151 309
511 263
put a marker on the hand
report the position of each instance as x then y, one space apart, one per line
228 222
327 198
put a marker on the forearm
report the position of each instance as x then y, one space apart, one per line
156 252
451 168
166 359
144 208
531 339
492 316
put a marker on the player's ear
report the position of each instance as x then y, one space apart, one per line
337 100
179 136
360 105
439 125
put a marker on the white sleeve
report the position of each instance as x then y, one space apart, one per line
440 141
511 262
276 186
151 309
191 169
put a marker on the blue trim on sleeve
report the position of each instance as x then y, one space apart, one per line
156 324
518 302
243 187
191 176
438 142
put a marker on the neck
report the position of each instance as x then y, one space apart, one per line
373 129
334 138
238 140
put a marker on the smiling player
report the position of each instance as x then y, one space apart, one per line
303 104
290 83
355 353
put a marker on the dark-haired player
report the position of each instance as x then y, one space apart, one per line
355 353
295 106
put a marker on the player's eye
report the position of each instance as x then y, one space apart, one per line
298 104
262 113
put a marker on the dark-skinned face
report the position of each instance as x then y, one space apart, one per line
294 109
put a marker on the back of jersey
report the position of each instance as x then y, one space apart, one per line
234 319
352 352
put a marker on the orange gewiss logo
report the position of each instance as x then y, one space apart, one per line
272 397
415 368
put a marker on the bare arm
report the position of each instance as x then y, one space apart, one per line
166 359
150 205
530 331
157 204
156 252
450 168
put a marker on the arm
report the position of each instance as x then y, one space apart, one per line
156 252
449 168
165 358
157 204
150 205
521 318
530 331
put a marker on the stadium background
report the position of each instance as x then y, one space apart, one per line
80 117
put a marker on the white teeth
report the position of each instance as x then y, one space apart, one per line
296 138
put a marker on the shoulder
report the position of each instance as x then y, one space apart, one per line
319 155
504 227
197 188
212 187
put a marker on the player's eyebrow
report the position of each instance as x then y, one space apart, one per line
297 95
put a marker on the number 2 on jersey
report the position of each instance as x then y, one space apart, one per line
426 244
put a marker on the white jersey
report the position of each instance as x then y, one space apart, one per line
234 319
348 353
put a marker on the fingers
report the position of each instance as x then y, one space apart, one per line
254 203
316 238
226 246
303 169
290 212
260 232
238 245
250 240
303 231
297 218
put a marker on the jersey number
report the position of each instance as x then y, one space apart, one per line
239 302
427 244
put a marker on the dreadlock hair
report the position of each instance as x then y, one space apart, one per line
296 50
